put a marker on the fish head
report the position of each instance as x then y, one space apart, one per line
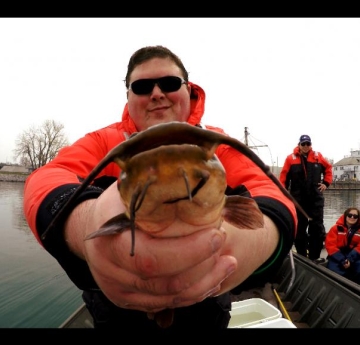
173 183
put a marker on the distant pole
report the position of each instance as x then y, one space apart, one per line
246 136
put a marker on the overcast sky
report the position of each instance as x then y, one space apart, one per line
280 77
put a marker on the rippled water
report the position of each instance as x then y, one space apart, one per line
34 290
336 202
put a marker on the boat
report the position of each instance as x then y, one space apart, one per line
307 294
316 297
311 296
80 318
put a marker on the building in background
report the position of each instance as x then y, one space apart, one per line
348 168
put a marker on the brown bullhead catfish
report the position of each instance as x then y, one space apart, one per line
170 173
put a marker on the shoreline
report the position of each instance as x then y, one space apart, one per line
13 177
335 186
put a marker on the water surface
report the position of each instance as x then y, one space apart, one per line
35 291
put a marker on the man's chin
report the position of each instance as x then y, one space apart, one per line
160 120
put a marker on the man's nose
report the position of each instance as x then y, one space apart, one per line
156 90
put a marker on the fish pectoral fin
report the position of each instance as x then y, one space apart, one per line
243 212
113 226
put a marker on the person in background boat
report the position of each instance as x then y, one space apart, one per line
307 174
196 273
342 243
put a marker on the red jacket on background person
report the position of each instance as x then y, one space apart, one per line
342 242
336 241
301 181
306 174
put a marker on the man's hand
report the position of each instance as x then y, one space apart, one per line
346 264
166 272
322 187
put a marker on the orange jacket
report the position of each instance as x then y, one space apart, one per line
48 187
302 180
336 241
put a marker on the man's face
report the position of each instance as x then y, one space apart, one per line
158 106
305 147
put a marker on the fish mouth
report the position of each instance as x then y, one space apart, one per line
191 194
204 177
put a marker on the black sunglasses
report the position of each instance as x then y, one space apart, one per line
166 84
351 215
307 143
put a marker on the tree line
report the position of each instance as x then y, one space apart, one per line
39 145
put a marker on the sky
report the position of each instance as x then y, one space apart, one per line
278 77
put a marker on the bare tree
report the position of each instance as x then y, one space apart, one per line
37 146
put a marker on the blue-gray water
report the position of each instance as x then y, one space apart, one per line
34 290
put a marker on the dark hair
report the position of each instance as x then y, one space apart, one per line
347 211
147 53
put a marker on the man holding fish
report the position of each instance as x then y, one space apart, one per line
182 271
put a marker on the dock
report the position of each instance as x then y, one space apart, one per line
345 185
